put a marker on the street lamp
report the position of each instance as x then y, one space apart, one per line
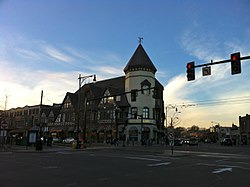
173 117
81 79
141 116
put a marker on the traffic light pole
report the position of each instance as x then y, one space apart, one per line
235 66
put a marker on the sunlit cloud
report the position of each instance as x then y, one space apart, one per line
58 55
27 72
55 86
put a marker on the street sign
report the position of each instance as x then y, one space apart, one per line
171 143
206 71
170 136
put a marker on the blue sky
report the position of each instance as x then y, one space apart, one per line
45 44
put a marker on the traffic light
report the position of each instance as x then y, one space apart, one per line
190 71
235 63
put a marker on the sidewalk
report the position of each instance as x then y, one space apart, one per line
179 151
48 149
32 148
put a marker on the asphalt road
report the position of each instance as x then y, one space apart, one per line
203 166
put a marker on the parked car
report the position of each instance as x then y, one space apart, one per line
226 141
186 141
56 140
178 141
208 140
193 141
68 140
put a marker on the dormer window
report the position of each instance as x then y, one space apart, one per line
107 98
145 87
145 90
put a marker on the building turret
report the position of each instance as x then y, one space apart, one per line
140 81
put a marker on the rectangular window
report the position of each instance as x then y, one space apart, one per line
157 115
145 113
118 98
134 113
157 93
133 95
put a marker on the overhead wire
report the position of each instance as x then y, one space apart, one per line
216 102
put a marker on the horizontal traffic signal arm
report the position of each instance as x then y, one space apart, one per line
220 62
235 65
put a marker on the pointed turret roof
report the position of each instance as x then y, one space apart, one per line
140 61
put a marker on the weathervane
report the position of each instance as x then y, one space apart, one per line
140 39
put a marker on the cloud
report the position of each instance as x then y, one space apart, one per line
21 94
98 62
200 45
29 66
56 54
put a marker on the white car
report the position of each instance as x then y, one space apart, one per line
68 140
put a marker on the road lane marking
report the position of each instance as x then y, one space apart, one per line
159 164
225 166
64 153
103 179
220 170
50 167
163 157
142 158
222 155
71 184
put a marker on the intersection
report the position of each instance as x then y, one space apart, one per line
127 166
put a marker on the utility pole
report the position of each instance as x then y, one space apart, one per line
5 103
40 113
81 79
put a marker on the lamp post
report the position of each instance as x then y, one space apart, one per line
217 130
171 130
81 79
141 127
116 124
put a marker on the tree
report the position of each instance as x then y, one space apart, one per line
180 131
194 128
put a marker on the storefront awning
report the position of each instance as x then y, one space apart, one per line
16 131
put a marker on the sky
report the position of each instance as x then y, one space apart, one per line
46 44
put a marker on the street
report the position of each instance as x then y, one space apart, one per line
128 166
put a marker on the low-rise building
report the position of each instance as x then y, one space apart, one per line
20 120
244 122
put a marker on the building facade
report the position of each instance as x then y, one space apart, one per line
244 122
21 120
129 108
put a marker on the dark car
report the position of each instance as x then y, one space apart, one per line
226 141
178 142
193 141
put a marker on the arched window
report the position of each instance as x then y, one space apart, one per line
145 113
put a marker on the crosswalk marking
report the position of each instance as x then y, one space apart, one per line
159 164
